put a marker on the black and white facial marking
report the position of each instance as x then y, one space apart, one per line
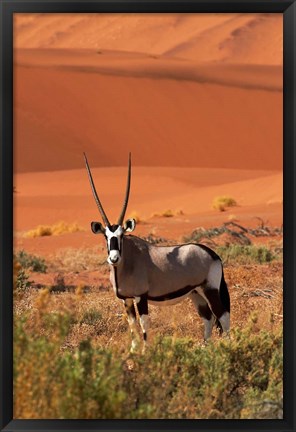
114 237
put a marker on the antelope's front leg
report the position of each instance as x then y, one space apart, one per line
131 316
142 305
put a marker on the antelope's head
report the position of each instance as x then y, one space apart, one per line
113 232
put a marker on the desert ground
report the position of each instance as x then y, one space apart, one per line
198 102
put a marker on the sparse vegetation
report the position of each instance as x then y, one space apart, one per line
168 213
71 357
176 378
28 261
221 203
235 233
242 254
56 229
22 281
78 260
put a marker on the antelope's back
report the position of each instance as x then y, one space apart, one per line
172 268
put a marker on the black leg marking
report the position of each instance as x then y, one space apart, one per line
201 306
204 312
213 297
142 306
219 308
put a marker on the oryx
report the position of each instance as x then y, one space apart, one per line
161 275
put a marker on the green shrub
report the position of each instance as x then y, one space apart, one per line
32 262
176 378
22 281
245 254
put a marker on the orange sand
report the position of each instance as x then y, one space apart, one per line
200 96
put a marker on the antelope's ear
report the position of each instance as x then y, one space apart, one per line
129 225
97 228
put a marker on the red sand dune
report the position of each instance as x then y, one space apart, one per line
201 93
239 38
149 83
165 121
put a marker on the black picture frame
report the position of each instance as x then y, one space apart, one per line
7 9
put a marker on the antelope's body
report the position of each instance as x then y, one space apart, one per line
142 273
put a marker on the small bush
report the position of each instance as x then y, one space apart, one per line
22 281
199 233
59 284
235 233
28 261
56 229
222 202
242 254
168 213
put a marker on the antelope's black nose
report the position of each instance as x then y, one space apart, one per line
114 260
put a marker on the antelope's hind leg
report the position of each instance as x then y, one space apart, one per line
132 320
204 312
216 293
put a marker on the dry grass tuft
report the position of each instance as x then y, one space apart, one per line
56 229
78 260
168 213
221 203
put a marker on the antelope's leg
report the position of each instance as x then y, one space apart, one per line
131 316
215 292
217 307
204 312
142 305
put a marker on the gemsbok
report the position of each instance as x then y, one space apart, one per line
143 273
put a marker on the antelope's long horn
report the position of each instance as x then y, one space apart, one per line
100 207
128 184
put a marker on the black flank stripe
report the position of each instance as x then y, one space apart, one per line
173 295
